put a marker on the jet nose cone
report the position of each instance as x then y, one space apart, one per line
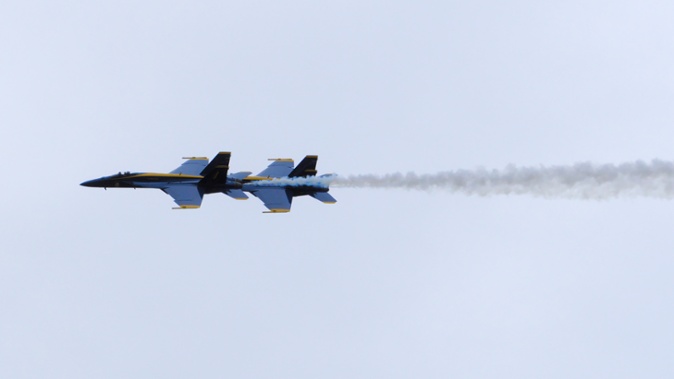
89 183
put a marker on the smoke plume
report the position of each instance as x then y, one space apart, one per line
581 180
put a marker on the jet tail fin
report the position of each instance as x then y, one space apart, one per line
216 171
307 167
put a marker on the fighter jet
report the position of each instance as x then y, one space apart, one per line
276 185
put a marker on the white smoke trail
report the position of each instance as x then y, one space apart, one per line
581 180
314 181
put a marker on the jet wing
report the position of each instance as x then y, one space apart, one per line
277 200
279 168
240 175
185 195
193 166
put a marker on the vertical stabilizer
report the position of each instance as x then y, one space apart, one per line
307 167
216 171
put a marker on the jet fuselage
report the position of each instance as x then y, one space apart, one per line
275 186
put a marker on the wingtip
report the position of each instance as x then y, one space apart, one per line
277 211
281 160
187 207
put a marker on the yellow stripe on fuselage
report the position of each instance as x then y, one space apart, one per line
152 174
254 177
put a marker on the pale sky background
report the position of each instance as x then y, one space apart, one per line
384 284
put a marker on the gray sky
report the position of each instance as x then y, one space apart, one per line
386 283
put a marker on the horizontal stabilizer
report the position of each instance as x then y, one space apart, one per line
324 197
236 194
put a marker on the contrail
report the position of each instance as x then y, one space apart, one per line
579 181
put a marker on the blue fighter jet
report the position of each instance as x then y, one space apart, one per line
276 186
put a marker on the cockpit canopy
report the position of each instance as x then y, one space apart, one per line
120 174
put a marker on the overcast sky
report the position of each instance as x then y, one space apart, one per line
385 283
